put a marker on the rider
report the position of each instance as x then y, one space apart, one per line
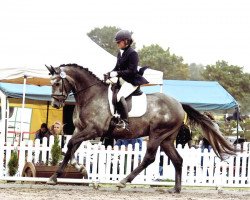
127 73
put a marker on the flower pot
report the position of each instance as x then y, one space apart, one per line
45 171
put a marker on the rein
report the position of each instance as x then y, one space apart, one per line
73 93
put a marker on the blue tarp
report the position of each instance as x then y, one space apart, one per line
201 95
42 93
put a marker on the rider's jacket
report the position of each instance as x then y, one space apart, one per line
126 67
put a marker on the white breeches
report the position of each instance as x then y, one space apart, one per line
126 89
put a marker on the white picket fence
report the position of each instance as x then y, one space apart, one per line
111 165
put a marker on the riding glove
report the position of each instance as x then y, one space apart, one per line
113 74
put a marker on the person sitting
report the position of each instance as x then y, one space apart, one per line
128 76
42 132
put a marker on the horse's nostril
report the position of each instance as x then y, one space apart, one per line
55 105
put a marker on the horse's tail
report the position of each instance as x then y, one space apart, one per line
220 145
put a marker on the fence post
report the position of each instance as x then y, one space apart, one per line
2 148
37 151
21 157
30 149
102 163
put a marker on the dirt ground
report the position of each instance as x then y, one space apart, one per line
16 191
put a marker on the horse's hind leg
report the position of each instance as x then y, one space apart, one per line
147 160
170 150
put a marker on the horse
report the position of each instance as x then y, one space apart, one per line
161 122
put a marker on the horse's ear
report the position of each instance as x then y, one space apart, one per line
51 69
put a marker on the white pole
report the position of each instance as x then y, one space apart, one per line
22 110
3 118
161 88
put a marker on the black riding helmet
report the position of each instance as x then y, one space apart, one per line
123 35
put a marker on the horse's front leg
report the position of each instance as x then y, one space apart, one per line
73 144
80 168
53 179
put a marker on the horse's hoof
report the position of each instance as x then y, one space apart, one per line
121 184
173 190
52 181
83 170
96 186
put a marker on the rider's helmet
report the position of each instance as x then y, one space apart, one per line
123 35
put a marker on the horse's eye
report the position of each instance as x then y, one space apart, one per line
57 84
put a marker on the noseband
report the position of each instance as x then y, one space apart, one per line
61 97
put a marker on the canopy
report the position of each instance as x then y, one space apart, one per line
19 60
201 95
41 93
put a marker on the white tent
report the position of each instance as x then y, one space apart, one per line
25 63
20 61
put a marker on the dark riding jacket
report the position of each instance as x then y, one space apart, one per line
126 67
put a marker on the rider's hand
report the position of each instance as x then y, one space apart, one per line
113 74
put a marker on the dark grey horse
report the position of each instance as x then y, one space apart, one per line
161 122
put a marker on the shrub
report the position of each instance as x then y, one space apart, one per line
56 152
13 163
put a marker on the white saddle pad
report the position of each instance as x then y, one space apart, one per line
139 104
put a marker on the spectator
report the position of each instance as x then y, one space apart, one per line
126 142
42 132
107 141
205 145
236 114
56 128
184 136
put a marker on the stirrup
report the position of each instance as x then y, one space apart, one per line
122 125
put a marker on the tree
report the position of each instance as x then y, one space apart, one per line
195 71
231 77
104 37
158 58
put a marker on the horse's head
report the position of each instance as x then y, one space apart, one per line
60 86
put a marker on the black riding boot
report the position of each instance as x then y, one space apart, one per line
123 123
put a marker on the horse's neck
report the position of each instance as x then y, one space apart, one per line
89 88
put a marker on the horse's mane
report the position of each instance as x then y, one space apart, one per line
83 68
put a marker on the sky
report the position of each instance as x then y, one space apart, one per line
201 31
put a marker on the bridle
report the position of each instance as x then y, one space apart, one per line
62 96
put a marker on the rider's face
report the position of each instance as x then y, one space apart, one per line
121 44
